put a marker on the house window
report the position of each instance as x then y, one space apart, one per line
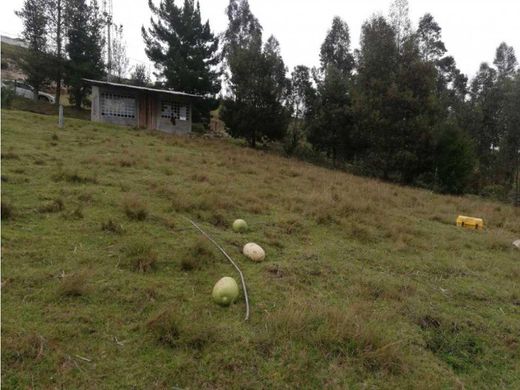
174 110
120 106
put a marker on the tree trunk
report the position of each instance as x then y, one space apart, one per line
253 139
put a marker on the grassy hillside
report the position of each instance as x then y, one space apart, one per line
365 284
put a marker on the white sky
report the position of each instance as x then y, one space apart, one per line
472 29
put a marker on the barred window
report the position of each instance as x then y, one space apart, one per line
117 105
175 110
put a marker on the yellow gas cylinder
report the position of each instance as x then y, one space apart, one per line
470 222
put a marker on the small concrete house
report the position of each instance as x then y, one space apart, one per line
147 108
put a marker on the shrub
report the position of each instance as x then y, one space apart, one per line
141 256
198 128
494 191
7 97
135 208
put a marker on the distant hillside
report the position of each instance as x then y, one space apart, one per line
12 50
365 285
13 41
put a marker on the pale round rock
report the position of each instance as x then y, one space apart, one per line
254 251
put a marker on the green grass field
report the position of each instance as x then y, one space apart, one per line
365 284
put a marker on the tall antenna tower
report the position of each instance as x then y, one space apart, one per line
108 13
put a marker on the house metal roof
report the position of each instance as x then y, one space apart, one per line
135 87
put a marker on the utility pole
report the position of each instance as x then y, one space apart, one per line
517 194
108 11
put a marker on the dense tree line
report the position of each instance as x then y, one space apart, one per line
396 108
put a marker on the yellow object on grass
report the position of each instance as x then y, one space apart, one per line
470 222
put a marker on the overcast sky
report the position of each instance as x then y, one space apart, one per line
472 29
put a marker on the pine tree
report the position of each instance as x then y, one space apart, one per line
505 60
331 128
335 50
400 22
183 48
258 88
84 47
301 102
56 22
395 106
429 36
35 63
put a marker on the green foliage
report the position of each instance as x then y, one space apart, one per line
7 97
84 48
140 76
258 86
454 159
35 62
184 50
330 129
394 106
335 50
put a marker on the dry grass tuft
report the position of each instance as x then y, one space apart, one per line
112 227
175 330
73 285
21 348
135 208
77 213
198 255
10 156
199 177
141 256
126 162
7 211
74 177
54 206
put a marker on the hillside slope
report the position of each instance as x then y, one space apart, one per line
365 284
